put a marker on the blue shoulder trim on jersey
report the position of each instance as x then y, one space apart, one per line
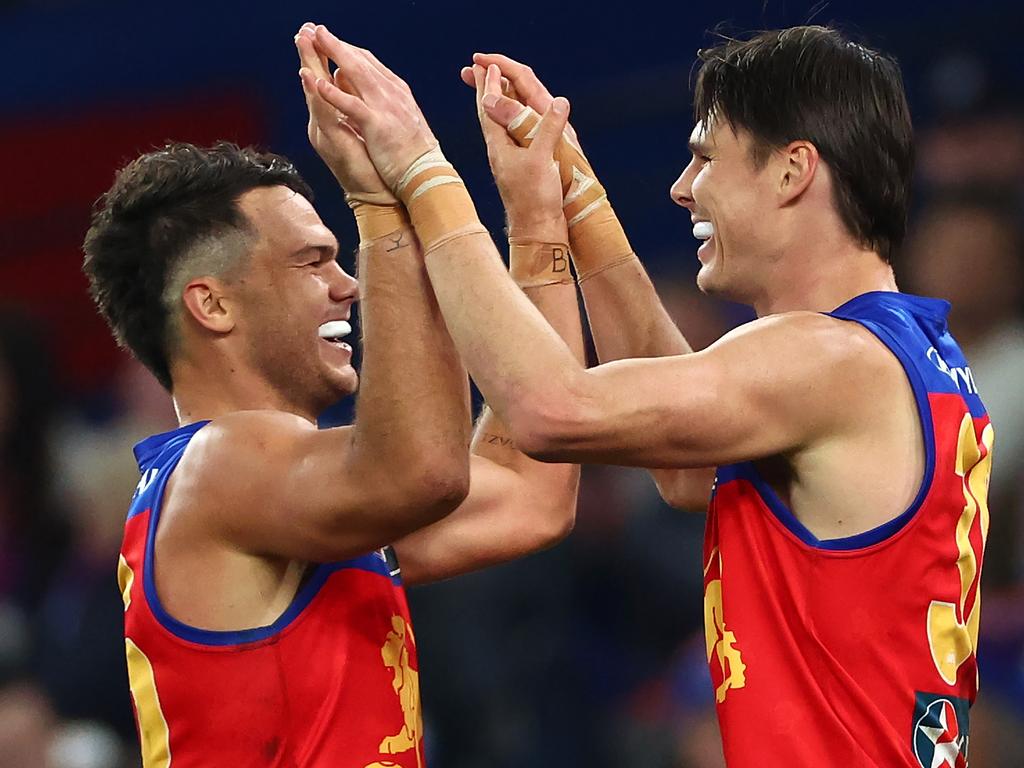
935 309
149 449
919 323
748 471
151 455
374 562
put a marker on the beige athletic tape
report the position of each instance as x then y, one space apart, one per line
533 263
596 237
439 205
375 220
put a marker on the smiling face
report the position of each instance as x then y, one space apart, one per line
294 301
733 206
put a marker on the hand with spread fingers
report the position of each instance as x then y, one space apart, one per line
377 104
340 147
527 177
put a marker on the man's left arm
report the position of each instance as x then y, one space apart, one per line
516 505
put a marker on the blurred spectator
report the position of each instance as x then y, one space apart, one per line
33 533
80 618
26 726
979 140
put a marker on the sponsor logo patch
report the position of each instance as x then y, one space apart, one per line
940 731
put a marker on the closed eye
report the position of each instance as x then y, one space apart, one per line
318 255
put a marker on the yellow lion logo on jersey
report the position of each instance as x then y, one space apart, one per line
406 682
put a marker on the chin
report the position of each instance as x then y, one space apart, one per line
345 381
708 280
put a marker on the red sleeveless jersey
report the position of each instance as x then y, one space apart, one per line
332 683
857 651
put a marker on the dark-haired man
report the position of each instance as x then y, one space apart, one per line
847 523
265 619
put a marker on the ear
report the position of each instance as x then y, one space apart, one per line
209 305
799 165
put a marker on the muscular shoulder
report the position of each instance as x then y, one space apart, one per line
234 455
810 343
817 368
240 440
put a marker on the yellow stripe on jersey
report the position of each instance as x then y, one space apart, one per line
153 732
953 639
125 579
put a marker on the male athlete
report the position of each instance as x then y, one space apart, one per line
847 522
265 620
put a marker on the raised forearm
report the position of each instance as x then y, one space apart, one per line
511 351
413 409
558 304
627 319
625 314
515 505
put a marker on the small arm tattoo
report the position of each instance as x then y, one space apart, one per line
499 440
558 261
398 241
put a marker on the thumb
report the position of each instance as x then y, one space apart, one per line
552 125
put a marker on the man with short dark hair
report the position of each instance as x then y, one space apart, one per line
847 522
265 617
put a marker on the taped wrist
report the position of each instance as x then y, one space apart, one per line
439 205
375 220
533 263
596 238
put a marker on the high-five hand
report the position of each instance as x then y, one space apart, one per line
527 178
377 104
334 140
596 237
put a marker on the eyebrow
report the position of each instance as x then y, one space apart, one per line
330 249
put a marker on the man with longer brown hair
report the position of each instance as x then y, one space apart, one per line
847 522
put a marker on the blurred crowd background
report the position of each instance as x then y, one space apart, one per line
590 653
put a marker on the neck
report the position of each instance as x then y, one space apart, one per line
199 395
811 283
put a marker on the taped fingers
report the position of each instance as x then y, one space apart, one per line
494 132
528 87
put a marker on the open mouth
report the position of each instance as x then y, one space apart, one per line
334 331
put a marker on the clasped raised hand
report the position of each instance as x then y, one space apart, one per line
376 104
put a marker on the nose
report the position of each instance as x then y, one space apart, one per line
341 285
681 190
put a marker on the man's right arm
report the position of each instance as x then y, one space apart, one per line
627 319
